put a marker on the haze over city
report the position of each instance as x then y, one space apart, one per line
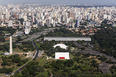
61 1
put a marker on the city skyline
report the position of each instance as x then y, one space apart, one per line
60 1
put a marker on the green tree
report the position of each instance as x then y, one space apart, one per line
18 38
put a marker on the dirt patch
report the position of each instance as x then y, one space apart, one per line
98 61
92 57
24 48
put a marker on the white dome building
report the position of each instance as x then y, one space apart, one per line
63 46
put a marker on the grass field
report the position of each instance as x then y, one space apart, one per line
44 60
5 31
18 50
45 73
71 55
1 52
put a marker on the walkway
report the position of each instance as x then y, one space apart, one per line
104 67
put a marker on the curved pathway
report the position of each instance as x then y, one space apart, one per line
104 67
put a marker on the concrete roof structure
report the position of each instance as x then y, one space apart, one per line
67 38
63 46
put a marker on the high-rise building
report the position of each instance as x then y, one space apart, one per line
7 16
93 18
27 27
20 16
54 24
15 15
10 23
77 22
1 17
48 23
88 17
71 14
25 18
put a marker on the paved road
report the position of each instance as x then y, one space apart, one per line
37 50
36 35
104 67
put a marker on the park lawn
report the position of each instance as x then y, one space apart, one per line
17 50
73 71
1 53
71 55
75 63
44 60
45 73
5 31
2 73
21 51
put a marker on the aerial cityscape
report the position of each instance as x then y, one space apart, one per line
57 38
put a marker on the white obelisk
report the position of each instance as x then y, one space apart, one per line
10 44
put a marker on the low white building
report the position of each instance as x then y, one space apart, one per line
113 25
27 29
62 55
10 23
67 38
63 46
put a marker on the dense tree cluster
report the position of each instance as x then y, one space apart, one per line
105 23
4 47
32 69
4 30
13 59
19 38
111 62
102 58
79 66
105 41
6 70
62 32
10 61
34 30
50 50
9 30
21 20
113 70
27 46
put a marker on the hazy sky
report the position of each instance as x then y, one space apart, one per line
61 1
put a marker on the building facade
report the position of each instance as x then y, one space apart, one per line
67 38
62 55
